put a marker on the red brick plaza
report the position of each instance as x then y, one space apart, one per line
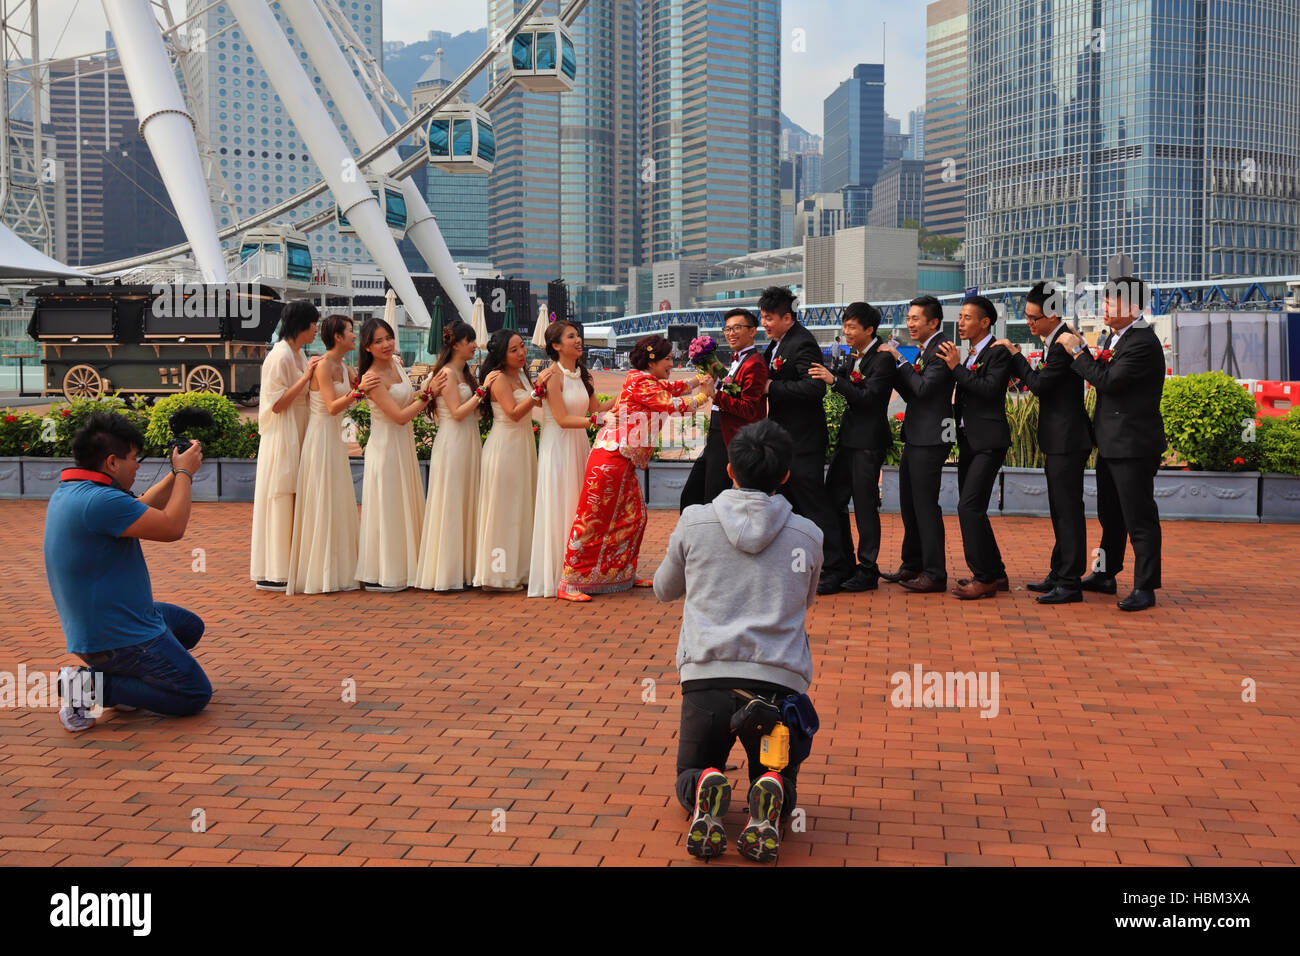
495 729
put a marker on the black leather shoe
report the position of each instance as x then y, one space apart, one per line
899 576
1101 583
1059 595
829 585
1044 586
860 582
1138 600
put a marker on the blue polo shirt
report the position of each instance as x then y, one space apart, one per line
99 580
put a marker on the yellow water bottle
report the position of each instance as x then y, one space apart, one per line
774 748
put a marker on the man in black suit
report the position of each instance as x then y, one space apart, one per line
794 401
1065 438
1129 376
929 431
866 382
982 442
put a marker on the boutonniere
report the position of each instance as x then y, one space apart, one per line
855 377
1104 355
919 364
777 363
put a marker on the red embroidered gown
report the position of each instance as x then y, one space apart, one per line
605 539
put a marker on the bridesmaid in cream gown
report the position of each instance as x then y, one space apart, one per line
323 556
508 475
450 512
392 495
570 407
282 421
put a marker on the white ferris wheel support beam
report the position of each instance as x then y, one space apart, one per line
167 127
280 210
327 148
327 57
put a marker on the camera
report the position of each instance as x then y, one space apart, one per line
185 420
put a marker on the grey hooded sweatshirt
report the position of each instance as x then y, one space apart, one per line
748 566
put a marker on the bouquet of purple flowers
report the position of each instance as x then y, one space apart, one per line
703 355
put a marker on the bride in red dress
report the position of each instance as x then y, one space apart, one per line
605 539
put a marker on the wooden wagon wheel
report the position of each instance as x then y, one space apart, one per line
82 381
205 378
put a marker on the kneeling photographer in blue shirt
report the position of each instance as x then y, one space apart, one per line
137 651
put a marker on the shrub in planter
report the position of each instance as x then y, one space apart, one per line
31 435
20 434
425 429
1277 444
225 419
240 442
1206 417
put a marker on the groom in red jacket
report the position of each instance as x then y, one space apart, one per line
708 477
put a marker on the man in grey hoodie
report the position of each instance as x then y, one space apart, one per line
748 567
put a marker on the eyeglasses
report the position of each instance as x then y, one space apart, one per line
736 327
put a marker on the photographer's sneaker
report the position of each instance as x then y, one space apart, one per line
76 698
761 839
706 838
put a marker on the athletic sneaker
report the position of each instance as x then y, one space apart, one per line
272 586
706 838
382 589
761 838
76 697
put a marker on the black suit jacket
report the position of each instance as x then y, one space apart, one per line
928 394
982 398
1127 421
794 398
1063 423
866 419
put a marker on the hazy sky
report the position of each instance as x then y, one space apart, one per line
836 35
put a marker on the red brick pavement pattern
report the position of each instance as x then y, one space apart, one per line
472 704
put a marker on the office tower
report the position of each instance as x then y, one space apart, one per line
562 195
135 207
945 118
1173 139
854 129
916 131
90 112
808 172
899 194
710 128
260 153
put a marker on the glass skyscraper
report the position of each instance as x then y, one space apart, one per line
854 130
1166 130
710 128
563 192
945 117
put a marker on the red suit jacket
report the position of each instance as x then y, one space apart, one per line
751 404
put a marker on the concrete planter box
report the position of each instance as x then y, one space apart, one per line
40 476
1024 492
889 498
1279 498
1208 495
11 477
358 466
238 478
666 480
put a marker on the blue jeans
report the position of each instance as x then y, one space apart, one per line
158 675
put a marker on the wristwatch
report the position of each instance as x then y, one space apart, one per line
1076 350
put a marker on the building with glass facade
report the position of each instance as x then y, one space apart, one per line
261 155
854 116
563 193
710 128
899 194
945 115
1165 130
916 128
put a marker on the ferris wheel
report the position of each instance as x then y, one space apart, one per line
373 197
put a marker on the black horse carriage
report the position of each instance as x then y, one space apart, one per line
153 340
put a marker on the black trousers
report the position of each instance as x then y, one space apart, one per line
1065 501
806 492
976 473
919 476
708 477
705 740
1126 508
855 474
